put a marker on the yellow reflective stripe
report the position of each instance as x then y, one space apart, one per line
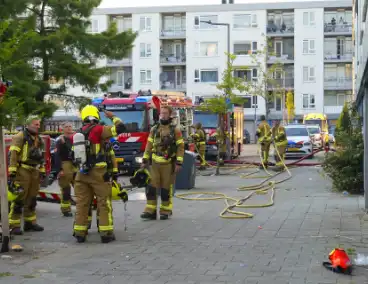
106 228
89 218
146 155
115 119
101 164
42 170
12 169
150 139
179 141
151 206
14 222
65 205
110 218
98 148
115 170
25 152
202 143
113 131
180 159
112 152
160 159
166 208
80 228
29 219
15 148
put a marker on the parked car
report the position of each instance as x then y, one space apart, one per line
316 136
331 134
246 137
299 141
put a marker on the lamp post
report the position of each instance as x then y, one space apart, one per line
228 64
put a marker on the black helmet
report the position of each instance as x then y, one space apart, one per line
141 178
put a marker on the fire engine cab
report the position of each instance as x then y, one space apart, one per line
140 112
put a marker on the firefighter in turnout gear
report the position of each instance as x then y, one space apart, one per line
26 168
280 142
113 171
221 137
165 148
65 167
93 178
264 138
200 142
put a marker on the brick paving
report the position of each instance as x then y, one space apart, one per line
282 244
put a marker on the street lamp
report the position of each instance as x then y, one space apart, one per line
228 64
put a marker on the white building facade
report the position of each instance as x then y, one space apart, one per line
177 51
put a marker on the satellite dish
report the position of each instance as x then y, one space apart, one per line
163 77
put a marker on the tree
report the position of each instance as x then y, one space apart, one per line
231 88
290 106
266 86
62 50
344 124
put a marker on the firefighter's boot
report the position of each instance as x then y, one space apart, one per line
67 214
30 227
164 216
17 231
81 239
108 238
201 168
149 216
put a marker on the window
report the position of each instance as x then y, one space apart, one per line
120 78
199 22
93 27
308 101
206 49
145 50
309 19
206 75
146 76
245 48
308 74
309 46
145 24
250 102
244 21
247 74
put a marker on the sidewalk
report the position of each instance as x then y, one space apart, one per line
250 150
282 244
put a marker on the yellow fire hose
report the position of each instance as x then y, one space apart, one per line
262 188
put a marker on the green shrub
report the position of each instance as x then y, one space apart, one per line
345 166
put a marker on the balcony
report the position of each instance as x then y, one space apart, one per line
173 33
281 83
114 88
172 59
338 83
338 29
121 62
332 109
173 80
280 30
282 58
333 57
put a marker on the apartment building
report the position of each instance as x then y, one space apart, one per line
178 50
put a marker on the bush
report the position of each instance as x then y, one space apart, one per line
345 166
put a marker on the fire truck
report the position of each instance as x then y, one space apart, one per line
140 112
234 125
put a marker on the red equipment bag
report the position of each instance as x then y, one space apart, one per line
339 262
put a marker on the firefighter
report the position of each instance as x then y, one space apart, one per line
93 178
221 137
200 142
65 168
264 138
26 168
280 142
165 148
113 171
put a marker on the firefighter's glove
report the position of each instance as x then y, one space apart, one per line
123 195
144 164
12 175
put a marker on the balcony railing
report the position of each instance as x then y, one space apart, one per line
126 61
119 88
338 83
281 83
338 28
281 58
169 81
172 33
332 109
173 58
277 29
333 56
169 85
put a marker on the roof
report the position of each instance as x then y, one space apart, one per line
225 7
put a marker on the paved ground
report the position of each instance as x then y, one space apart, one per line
285 243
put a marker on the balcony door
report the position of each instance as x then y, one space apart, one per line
278 48
177 50
178 78
177 23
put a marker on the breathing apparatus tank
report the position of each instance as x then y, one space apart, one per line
80 151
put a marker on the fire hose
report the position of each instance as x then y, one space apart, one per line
268 184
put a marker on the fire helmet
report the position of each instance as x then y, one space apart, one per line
90 112
14 190
140 178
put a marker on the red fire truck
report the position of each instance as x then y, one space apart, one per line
234 121
140 112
